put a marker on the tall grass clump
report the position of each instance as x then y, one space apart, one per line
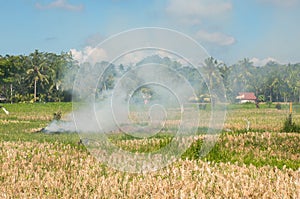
290 126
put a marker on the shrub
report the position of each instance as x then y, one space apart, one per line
290 126
57 115
261 98
278 106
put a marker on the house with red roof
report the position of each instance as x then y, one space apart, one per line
245 97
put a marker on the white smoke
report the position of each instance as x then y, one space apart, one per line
60 127
108 96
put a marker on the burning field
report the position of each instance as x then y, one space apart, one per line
260 163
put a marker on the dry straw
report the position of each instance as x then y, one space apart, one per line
53 170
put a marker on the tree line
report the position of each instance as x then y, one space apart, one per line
272 82
37 77
49 77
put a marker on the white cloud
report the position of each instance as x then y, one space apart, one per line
261 62
137 56
89 54
62 4
193 11
215 38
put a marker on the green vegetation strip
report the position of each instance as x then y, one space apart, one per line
260 148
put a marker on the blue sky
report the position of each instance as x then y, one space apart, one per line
230 30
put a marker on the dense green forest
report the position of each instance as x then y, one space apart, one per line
37 77
49 77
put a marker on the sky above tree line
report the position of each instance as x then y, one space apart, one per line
230 30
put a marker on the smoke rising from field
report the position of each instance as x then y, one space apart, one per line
143 87
60 127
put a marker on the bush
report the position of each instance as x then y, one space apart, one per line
261 98
278 106
290 126
57 115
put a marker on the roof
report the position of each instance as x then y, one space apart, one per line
246 96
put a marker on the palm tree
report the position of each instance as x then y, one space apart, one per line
36 72
295 82
210 71
57 72
241 75
245 69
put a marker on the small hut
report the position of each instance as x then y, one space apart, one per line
245 97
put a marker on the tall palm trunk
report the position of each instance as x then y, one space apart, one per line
11 93
35 81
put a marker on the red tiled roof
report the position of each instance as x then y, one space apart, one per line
246 96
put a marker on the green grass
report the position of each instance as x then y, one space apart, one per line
39 109
280 149
26 120
253 106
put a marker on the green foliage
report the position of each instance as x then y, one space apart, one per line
261 148
290 126
261 98
241 106
43 74
26 120
40 74
271 149
278 106
57 115
269 104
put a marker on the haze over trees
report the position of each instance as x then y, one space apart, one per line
49 77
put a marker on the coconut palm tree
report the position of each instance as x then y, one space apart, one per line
211 74
37 71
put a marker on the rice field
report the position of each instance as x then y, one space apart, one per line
53 170
253 160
